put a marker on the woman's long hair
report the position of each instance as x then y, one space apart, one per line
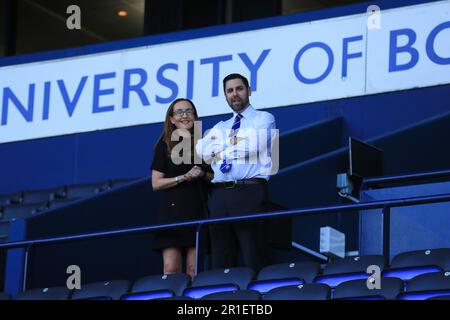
169 127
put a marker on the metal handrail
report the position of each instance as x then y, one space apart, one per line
274 214
405 178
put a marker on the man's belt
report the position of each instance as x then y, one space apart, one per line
234 183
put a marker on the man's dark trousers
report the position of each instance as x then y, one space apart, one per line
226 238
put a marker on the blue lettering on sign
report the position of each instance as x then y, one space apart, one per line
71 104
216 71
430 44
254 67
346 56
96 108
27 113
394 50
46 100
311 45
167 83
190 80
127 87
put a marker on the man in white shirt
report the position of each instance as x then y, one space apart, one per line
239 150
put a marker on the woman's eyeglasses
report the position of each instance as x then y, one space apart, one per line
180 113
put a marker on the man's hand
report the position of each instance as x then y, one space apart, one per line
235 140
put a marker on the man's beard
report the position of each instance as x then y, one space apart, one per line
238 107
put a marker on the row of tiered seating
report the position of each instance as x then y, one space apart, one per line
412 275
24 204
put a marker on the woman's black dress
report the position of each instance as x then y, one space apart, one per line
186 201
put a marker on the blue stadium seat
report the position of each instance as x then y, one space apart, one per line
408 265
7 199
85 190
358 290
57 203
233 295
308 291
106 290
54 293
4 296
35 196
176 298
427 286
447 297
158 286
349 268
19 211
284 274
219 280
148 295
117 183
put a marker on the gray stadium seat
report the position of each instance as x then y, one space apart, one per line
307 291
105 289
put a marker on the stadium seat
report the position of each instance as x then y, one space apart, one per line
57 203
19 211
158 286
4 296
4 226
54 293
106 290
35 196
219 280
84 190
307 291
408 265
446 297
427 286
7 199
149 295
175 298
284 274
349 268
116 183
358 290
233 295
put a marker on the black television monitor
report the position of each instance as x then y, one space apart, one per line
366 161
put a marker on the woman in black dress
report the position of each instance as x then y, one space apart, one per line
184 184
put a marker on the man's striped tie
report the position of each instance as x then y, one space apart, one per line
225 167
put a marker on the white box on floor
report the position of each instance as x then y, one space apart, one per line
332 242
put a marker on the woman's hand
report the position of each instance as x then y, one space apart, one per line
194 173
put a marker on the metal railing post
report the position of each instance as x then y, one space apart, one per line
387 233
25 267
199 250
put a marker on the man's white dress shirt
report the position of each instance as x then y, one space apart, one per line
251 156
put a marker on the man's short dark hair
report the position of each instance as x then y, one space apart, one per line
235 76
